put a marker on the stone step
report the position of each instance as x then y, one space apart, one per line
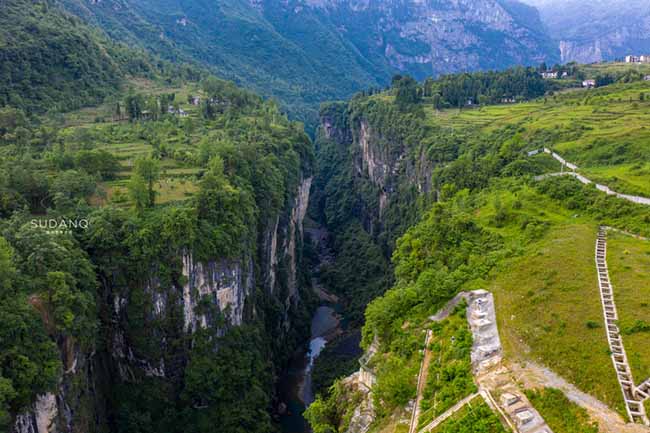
643 394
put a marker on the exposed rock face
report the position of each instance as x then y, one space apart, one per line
589 31
55 412
224 284
295 235
201 293
42 417
363 381
384 161
427 37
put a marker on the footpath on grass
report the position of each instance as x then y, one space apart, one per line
490 374
584 180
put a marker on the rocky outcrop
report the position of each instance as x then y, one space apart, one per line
593 31
386 162
222 284
191 294
41 418
63 409
294 235
430 37
362 382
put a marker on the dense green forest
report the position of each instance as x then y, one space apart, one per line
52 61
151 265
240 162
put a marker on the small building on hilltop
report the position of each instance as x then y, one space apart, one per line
589 84
549 75
637 59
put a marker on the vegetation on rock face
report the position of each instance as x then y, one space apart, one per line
206 180
168 166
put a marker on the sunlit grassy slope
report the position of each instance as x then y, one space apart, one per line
606 131
547 297
474 417
628 259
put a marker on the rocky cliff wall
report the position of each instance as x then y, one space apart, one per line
216 293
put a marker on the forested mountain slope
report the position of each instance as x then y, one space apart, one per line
305 52
51 60
458 191
151 246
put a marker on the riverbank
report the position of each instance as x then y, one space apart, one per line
295 387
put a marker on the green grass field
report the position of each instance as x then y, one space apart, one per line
561 415
605 131
628 260
549 310
626 178
475 417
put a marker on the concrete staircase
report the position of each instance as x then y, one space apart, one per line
633 404
643 391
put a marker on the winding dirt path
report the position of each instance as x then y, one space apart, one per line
533 375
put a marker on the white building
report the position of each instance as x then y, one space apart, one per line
548 75
637 59
589 84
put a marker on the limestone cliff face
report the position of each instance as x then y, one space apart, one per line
383 160
216 292
224 284
61 410
589 31
294 236
428 37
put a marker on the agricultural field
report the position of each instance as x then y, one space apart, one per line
605 131
628 260
169 139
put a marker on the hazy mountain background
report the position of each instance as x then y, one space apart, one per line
303 52
594 30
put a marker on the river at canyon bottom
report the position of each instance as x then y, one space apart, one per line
296 386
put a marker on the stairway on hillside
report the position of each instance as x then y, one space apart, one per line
633 404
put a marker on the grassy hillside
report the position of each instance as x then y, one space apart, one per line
604 131
492 226
628 259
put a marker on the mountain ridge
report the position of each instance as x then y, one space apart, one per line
303 52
